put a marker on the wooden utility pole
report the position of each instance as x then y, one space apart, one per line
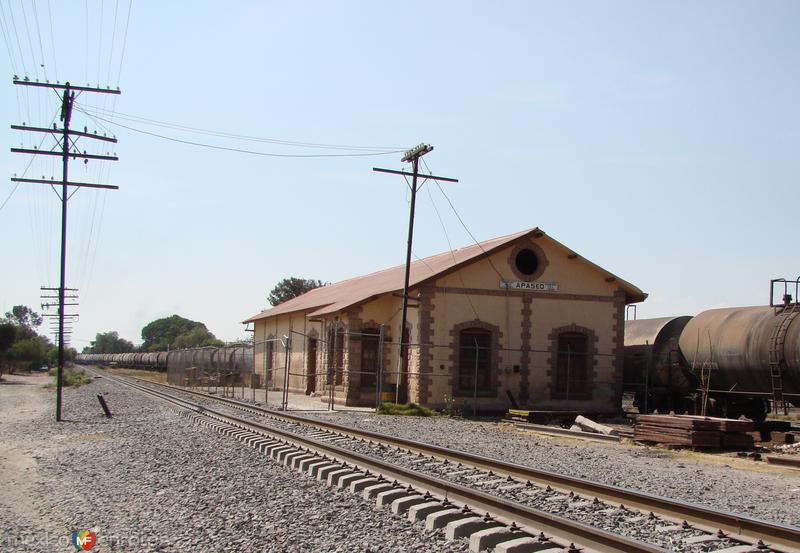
68 139
411 156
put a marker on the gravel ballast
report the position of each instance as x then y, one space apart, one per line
148 480
759 492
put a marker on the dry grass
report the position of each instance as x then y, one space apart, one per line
153 376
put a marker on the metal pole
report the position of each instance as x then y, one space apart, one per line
268 345
647 377
379 376
66 115
404 320
332 370
286 363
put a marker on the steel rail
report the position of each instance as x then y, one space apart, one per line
739 527
565 532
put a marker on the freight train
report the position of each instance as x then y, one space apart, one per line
227 359
734 361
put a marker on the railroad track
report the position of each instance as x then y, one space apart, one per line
521 503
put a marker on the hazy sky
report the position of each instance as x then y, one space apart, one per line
658 139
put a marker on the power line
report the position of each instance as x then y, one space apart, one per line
39 35
463 224
52 39
124 42
237 150
30 42
7 38
452 253
113 39
25 172
243 137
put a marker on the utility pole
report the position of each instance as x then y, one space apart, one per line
47 298
68 142
411 156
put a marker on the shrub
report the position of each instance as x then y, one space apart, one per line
405 409
450 408
71 377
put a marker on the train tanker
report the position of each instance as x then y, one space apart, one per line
737 361
234 359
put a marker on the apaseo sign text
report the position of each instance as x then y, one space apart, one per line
533 286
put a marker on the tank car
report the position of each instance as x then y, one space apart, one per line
740 358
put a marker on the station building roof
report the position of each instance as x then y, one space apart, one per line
353 291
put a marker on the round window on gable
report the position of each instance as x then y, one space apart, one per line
527 262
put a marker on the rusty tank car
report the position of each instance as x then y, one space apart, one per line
745 360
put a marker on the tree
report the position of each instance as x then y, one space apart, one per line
290 288
8 334
52 355
197 337
163 334
29 353
109 342
25 319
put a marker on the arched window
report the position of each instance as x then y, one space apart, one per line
370 360
474 360
572 368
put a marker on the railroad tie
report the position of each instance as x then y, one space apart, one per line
336 475
440 519
420 511
304 464
360 484
314 467
386 497
347 479
402 504
526 545
465 527
371 491
324 471
490 537
736 549
297 462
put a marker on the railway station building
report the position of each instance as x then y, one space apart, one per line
517 320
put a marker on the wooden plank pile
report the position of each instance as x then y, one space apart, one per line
694 431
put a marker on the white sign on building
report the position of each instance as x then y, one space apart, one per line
533 286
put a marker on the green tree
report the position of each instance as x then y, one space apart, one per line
290 288
197 337
52 355
29 353
163 334
109 342
24 319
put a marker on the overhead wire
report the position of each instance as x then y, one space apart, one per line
39 35
23 65
30 42
243 137
113 38
52 39
237 150
6 39
124 42
452 252
463 224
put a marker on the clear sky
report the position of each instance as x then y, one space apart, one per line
658 139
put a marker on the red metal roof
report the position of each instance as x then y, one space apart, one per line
346 293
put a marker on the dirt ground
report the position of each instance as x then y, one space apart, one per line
22 398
